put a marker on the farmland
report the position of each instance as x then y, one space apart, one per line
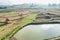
18 17
16 21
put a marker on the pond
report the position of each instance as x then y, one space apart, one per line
38 32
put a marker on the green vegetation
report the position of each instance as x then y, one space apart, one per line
20 23
24 21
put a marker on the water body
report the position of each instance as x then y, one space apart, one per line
38 32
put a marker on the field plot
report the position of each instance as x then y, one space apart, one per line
10 28
19 17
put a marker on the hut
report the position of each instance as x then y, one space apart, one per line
7 21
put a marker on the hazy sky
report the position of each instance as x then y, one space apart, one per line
9 2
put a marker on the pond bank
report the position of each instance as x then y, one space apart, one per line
32 30
33 24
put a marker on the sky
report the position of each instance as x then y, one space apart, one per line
10 2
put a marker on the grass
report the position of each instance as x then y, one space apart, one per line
25 20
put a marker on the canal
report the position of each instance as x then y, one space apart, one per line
38 32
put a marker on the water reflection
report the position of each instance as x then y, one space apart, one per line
38 32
